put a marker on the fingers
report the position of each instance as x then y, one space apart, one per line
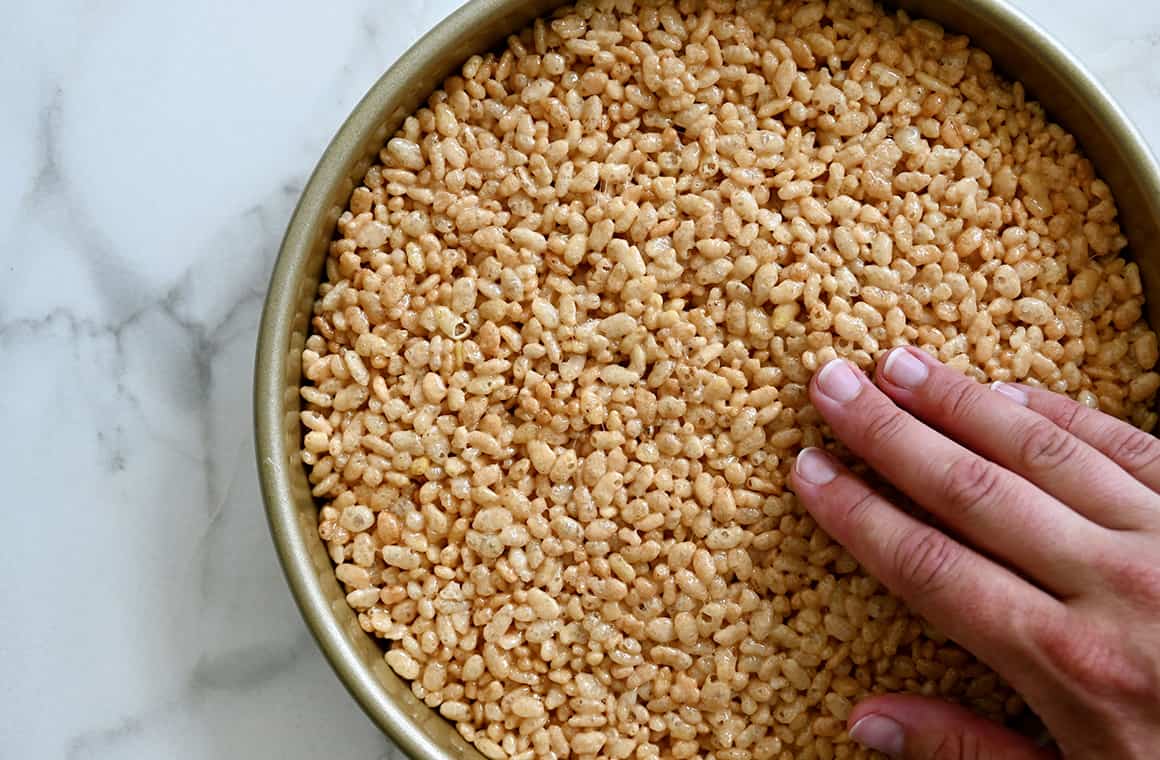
921 728
988 505
1017 438
979 604
1131 449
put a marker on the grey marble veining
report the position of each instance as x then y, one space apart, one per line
150 155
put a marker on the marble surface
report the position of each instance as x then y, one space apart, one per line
150 155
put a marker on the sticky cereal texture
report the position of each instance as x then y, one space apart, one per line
557 375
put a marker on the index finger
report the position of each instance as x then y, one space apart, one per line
984 607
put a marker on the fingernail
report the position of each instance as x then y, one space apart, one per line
879 733
814 466
839 380
904 369
1013 392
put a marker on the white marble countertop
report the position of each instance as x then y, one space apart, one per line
150 154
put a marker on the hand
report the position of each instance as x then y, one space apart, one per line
1053 576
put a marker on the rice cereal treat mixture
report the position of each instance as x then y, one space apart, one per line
557 376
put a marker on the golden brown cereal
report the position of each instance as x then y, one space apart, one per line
558 370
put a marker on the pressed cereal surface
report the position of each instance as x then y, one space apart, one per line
557 376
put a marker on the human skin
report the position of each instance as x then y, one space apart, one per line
1053 574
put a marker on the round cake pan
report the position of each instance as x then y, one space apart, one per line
1020 49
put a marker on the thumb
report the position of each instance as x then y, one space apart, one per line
920 728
